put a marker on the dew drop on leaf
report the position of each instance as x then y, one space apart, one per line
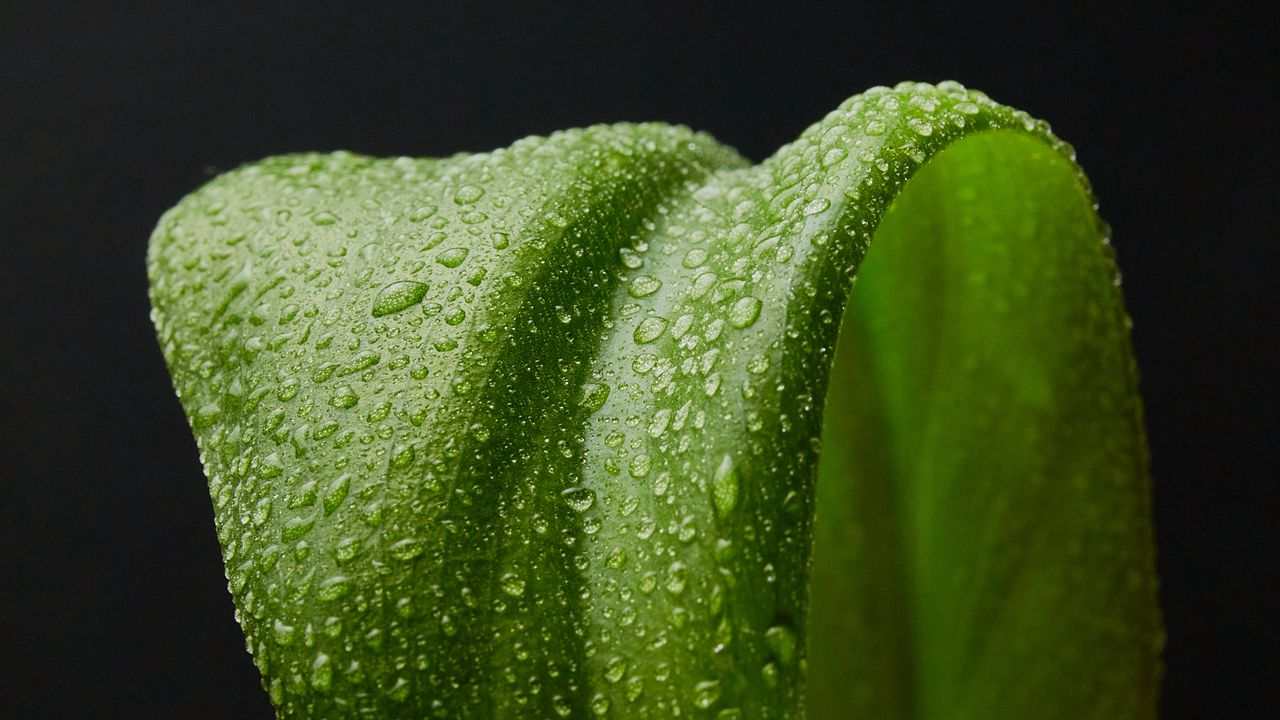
639 466
594 395
453 257
334 588
322 673
650 329
512 585
816 206
782 641
398 296
580 498
406 549
644 286
468 194
706 693
615 669
724 487
344 397
694 258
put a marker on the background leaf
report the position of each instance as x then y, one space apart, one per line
534 433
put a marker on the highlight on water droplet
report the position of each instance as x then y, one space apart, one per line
397 296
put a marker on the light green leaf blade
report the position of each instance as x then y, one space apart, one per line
534 433
984 460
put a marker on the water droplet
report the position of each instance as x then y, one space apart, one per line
644 286
579 498
407 549
816 206
399 690
711 385
324 217
455 316
677 578
336 494
296 528
403 457
468 194
448 626
594 395
695 258
833 156
650 329
453 257
631 258
422 213
782 641
344 397
724 487
261 512
658 424
334 588
661 483
615 669
284 634
745 311
616 559
346 550
639 466
681 326
702 284
322 673
512 585
706 693
758 364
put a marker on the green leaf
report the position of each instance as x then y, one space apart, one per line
535 433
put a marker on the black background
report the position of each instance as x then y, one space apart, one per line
112 596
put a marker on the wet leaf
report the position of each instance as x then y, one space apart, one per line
537 432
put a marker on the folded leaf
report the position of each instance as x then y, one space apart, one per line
535 433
